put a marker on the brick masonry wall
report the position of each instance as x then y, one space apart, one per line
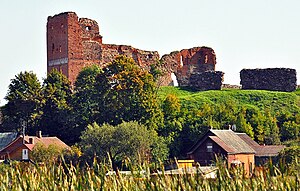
276 79
74 43
186 62
210 80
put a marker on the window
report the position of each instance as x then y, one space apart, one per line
209 147
25 154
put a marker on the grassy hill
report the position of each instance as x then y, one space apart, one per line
260 99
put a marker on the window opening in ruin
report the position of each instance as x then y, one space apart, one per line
206 59
59 48
62 25
53 48
181 61
88 28
174 79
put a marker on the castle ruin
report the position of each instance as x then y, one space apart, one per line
74 43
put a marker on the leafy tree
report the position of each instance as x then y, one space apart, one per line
55 120
126 140
290 130
243 125
172 122
272 130
127 93
47 154
85 103
257 119
290 154
24 100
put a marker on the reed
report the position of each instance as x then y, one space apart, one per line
24 176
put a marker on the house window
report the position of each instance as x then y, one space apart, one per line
25 154
209 147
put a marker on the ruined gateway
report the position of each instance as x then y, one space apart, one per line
74 43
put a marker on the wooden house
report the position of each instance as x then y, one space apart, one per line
226 144
237 148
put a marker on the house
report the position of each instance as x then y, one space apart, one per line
237 148
20 148
226 144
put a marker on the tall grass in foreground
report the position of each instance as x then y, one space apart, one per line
19 176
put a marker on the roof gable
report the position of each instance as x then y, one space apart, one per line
6 138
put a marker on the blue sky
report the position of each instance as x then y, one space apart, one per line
244 34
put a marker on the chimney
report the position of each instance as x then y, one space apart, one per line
39 134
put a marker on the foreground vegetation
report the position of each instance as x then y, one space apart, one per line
24 176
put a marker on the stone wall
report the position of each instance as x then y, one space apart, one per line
77 42
276 79
210 80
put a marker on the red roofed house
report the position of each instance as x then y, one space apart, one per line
237 148
20 148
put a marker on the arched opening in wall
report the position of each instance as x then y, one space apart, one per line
88 28
174 79
59 48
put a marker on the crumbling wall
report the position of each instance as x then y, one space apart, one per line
210 80
276 79
74 43
141 57
189 61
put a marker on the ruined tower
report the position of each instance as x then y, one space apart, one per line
74 43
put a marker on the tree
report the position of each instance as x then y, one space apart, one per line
24 101
55 120
272 130
127 93
48 154
85 103
126 140
256 119
243 125
290 130
171 109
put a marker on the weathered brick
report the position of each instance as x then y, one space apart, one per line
74 43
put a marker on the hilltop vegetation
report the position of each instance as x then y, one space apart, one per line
122 93
267 116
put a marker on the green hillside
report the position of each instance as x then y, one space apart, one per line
268 117
260 99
